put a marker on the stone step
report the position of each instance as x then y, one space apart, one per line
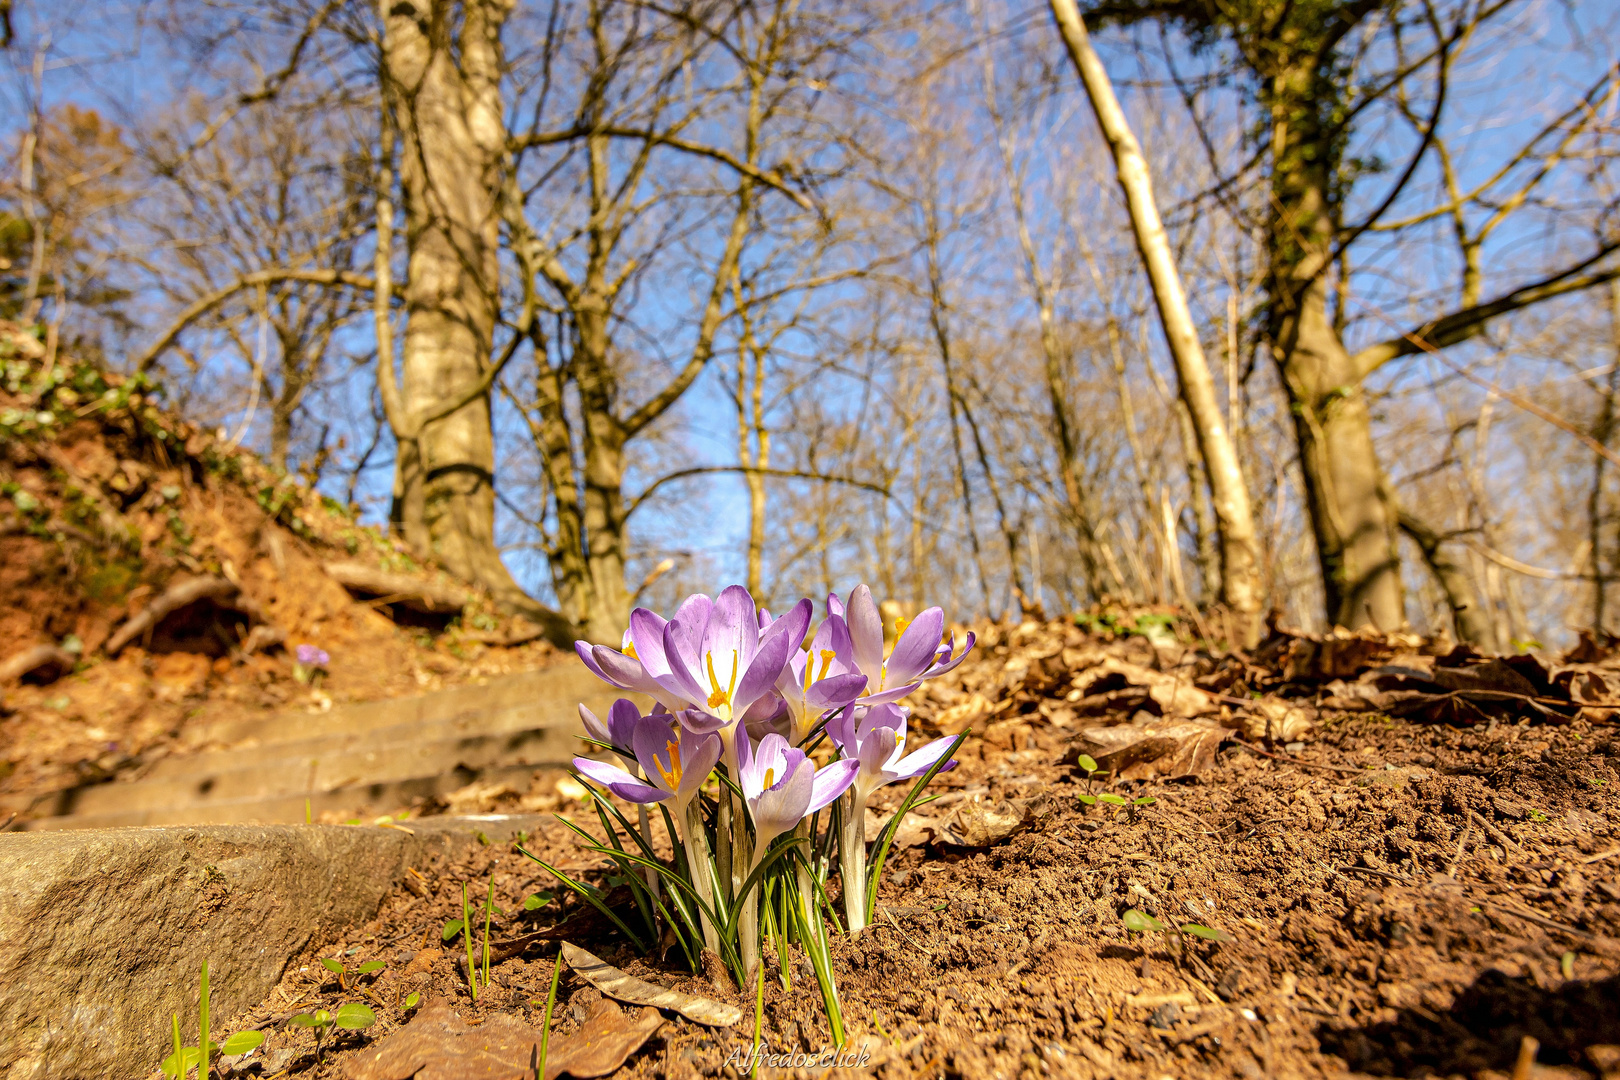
378 754
561 687
365 764
365 800
499 712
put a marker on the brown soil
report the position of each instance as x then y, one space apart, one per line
1411 903
111 501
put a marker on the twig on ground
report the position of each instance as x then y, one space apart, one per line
1468 831
1496 834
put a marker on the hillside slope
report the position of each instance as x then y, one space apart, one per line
154 577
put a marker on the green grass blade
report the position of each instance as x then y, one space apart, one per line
590 898
881 850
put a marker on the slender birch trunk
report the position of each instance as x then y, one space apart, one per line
1240 562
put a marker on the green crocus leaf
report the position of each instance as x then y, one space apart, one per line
355 1016
1140 921
188 1058
241 1043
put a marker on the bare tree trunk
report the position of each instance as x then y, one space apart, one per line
1240 561
1353 513
1603 431
444 89
1472 622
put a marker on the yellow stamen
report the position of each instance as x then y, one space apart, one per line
827 656
630 650
900 625
671 775
721 697
807 677
770 778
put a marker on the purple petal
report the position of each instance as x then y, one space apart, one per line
842 729
835 606
694 611
623 718
699 755
921 760
889 695
950 665
618 781
679 680
876 750
647 635
796 623
768 756
699 722
733 627
586 653
915 650
761 674
865 630
594 727
784 805
830 782
621 670
834 692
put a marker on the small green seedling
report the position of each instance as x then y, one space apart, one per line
345 973
536 901
185 1058
1141 922
412 1000
350 1016
1089 763
1108 798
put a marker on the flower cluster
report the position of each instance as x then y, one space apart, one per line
743 702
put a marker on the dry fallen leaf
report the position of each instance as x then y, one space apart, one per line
438 1045
1282 721
1174 696
1151 746
615 983
976 823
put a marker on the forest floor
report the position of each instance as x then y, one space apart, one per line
1401 897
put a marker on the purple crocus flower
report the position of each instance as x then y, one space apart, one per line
817 682
874 739
715 657
783 786
619 731
676 764
312 657
919 653
877 741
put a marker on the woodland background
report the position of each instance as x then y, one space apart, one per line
805 292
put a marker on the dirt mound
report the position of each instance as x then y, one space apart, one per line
1415 899
154 575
